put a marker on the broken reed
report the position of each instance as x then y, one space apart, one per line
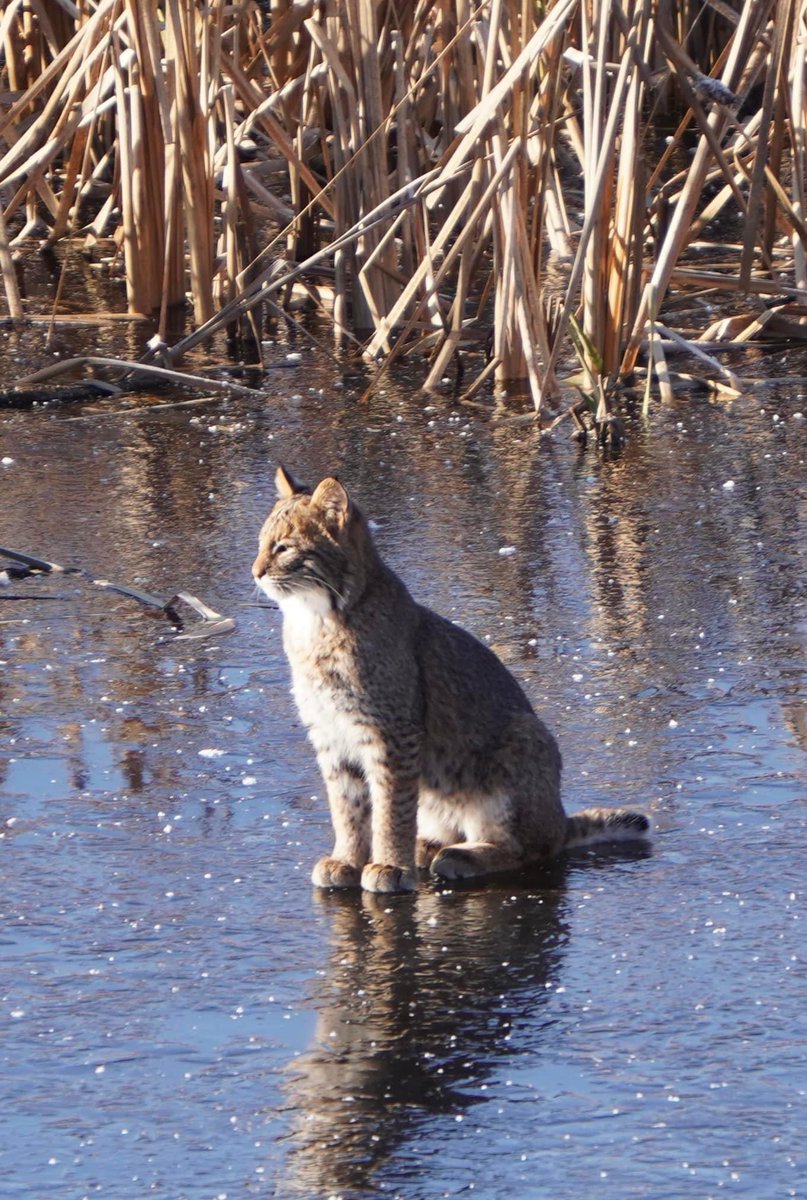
468 174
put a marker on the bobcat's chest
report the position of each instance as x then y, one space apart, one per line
324 680
333 714
307 621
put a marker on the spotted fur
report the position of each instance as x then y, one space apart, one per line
431 753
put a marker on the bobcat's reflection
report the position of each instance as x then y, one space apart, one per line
421 998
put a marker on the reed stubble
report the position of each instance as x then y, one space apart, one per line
487 181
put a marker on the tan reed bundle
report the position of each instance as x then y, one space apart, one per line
485 180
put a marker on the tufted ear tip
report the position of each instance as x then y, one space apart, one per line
286 485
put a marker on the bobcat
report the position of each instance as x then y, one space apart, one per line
430 751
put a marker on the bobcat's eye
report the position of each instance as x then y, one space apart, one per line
280 548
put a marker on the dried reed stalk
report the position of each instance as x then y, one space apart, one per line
9 274
438 153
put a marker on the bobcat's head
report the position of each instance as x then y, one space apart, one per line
309 548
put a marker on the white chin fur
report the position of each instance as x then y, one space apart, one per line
265 586
311 602
304 614
304 611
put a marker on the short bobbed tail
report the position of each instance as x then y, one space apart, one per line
594 825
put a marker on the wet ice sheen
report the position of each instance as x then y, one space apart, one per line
181 1015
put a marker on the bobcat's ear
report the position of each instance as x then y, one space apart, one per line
287 486
331 498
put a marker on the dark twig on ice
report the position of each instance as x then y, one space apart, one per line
86 389
134 374
29 565
212 622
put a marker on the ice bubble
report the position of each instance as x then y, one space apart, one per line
507 551
6 461
210 752
728 486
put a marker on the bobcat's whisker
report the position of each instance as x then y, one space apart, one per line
331 588
310 575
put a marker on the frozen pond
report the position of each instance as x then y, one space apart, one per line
181 1015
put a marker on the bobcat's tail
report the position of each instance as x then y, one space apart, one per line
605 825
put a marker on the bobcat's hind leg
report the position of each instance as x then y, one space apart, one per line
435 830
487 843
472 860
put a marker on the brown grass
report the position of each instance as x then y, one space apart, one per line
456 179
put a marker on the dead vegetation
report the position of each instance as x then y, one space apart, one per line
528 186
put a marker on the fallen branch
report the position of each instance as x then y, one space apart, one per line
734 384
27 565
134 369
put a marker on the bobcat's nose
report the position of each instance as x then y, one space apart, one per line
259 566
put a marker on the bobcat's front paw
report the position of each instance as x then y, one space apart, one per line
378 877
333 872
